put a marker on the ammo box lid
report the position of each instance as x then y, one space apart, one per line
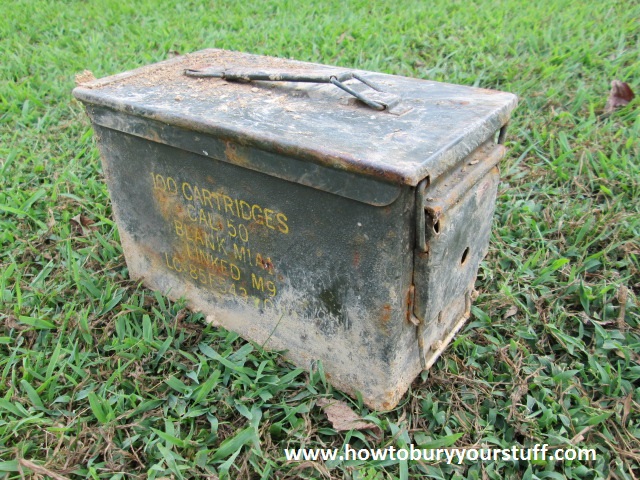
434 126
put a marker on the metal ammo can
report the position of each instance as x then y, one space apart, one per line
338 215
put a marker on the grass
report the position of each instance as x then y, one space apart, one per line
100 378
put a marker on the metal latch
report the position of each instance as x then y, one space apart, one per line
446 195
375 98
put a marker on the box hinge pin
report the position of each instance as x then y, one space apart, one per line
421 248
421 239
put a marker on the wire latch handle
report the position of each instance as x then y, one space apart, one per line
375 98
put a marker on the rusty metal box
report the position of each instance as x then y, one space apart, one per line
339 215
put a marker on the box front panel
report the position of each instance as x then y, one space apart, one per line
319 275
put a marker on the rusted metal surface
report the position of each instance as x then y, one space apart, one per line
315 123
303 223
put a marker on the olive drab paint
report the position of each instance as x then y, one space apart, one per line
334 214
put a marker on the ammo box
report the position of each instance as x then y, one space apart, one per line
338 215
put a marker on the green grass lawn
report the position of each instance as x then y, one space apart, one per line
101 378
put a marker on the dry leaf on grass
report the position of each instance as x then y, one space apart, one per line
620 95
511 312
40 469
82 224
623 293
626 408
343 418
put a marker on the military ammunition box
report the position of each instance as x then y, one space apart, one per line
335 214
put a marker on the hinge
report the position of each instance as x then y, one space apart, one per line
421 249
421 240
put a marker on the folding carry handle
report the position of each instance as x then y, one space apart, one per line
375 98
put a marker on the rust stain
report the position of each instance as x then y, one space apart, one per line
154 136
356 259
168 204
386 312
267 264
234 156
435 212
410 299
255 226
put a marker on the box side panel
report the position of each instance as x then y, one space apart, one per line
291 267
458 228
458 216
